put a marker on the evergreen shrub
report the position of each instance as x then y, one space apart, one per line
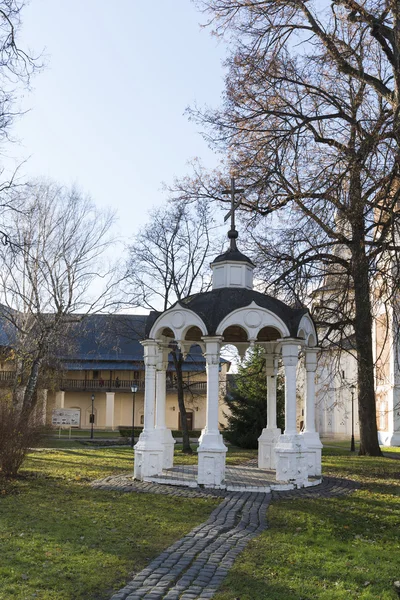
247 401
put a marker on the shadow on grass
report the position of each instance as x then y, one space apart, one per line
381 474
340 548
76 542
74 465
337 585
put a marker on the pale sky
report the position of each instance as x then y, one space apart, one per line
107 110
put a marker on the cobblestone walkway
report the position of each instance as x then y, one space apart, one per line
195 566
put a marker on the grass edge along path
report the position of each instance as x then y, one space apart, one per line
62 540
329 549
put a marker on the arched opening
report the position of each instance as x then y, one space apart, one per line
167 332
268 334
311 342
235 333
194 334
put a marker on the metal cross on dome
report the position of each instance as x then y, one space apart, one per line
234 205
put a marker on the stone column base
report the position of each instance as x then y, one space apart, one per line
211 460
386 438
291 460
148 455
314 447
167 441
266 448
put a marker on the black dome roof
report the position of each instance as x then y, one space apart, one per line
212 307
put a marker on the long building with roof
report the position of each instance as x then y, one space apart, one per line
103 358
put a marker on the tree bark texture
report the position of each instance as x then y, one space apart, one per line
363 327
178 361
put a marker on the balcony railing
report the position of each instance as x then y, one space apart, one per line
124 385
99 384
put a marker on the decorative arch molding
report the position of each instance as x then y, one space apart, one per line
252 319
179 320
307 332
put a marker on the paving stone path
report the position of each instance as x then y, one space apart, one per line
195 566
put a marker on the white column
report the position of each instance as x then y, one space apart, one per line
291 451
161 387
290 357
212 368
165 435
271 372
60 399
212 450
270 434
311 367
150 362
149 450
310 435
110 396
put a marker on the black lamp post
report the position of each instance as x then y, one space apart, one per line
352 445
92 418
134 389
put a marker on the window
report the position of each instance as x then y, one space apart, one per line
95 374
142 419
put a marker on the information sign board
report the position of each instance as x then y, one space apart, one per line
70 417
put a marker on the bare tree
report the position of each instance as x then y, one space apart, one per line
169 261
16 64
310 119
51 275
16 68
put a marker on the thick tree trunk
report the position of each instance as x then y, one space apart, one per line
363 337
178 360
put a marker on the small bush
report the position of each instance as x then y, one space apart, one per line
16 438
176 433
126 431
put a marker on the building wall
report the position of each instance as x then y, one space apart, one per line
123 408
334 377
386 354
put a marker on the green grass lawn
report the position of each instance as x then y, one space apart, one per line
62 540
331 549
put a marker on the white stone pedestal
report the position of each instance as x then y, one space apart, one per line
266 448
148 455
167 441
389 438
291 459
314 447
211 460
